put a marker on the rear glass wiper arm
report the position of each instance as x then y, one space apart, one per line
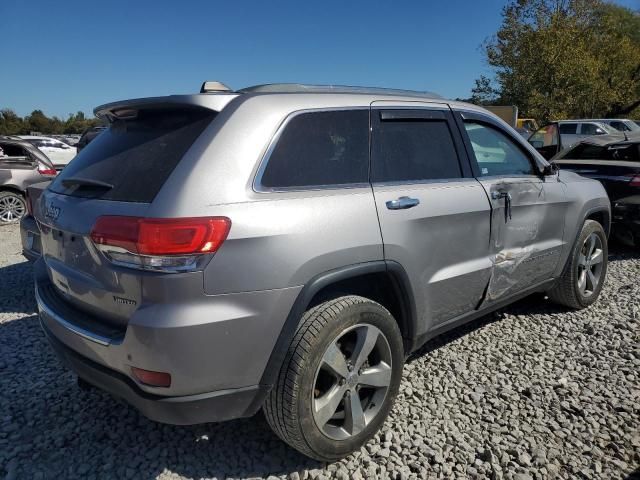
85 182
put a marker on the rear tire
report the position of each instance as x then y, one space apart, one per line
331 396
12 207
586 270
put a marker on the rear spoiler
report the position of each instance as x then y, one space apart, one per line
123 109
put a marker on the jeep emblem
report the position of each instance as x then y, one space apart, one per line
52 212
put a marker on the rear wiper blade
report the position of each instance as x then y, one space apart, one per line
85 182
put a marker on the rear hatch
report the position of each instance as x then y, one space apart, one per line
118 174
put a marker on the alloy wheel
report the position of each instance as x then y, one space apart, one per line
352 381
590 262
12 208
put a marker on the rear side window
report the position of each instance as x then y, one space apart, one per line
320 149
568 128
414 150
134 156
591 129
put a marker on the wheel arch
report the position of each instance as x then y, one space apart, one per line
365 279
13 189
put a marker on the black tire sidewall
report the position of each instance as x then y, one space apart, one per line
589 228
369 313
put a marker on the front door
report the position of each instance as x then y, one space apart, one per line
434 216
528 210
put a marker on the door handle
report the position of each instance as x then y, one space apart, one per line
402 203
497 195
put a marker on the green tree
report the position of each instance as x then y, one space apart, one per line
37 121
566 58
10 123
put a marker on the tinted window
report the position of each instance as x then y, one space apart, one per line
591 129
623 127
135 155
568 128
11 150
620 152
496 153
414 150
320 148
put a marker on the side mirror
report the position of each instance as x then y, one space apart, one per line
550 169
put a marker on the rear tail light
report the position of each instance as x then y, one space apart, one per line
46 171
635 180
151 378
164 244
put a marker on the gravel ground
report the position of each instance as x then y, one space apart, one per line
530 392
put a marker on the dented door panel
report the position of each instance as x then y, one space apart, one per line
527 230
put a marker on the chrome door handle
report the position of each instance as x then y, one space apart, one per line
402 203
497 195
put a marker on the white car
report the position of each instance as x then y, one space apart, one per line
58 152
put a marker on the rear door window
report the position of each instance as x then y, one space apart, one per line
318 149
409 147
591 129
568 128
134 156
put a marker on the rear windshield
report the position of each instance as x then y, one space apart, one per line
131 160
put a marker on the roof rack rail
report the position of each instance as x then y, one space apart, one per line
303 88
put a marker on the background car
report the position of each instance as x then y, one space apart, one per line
556 136
58 152
621 124
88 135
21 165
615 161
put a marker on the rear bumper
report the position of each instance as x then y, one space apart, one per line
183 410
216 353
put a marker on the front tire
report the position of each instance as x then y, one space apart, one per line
339 379
585 272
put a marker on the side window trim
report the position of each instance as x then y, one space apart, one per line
256 184
408 112
462 115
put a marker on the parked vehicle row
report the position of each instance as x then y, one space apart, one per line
21 165
286 247
58 152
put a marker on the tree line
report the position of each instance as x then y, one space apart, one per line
559 59
13 124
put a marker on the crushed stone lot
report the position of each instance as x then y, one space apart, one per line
531 392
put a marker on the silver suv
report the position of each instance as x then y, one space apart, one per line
286 247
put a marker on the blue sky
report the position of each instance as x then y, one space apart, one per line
65 56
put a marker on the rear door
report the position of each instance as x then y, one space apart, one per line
120 173
434 216
528 210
